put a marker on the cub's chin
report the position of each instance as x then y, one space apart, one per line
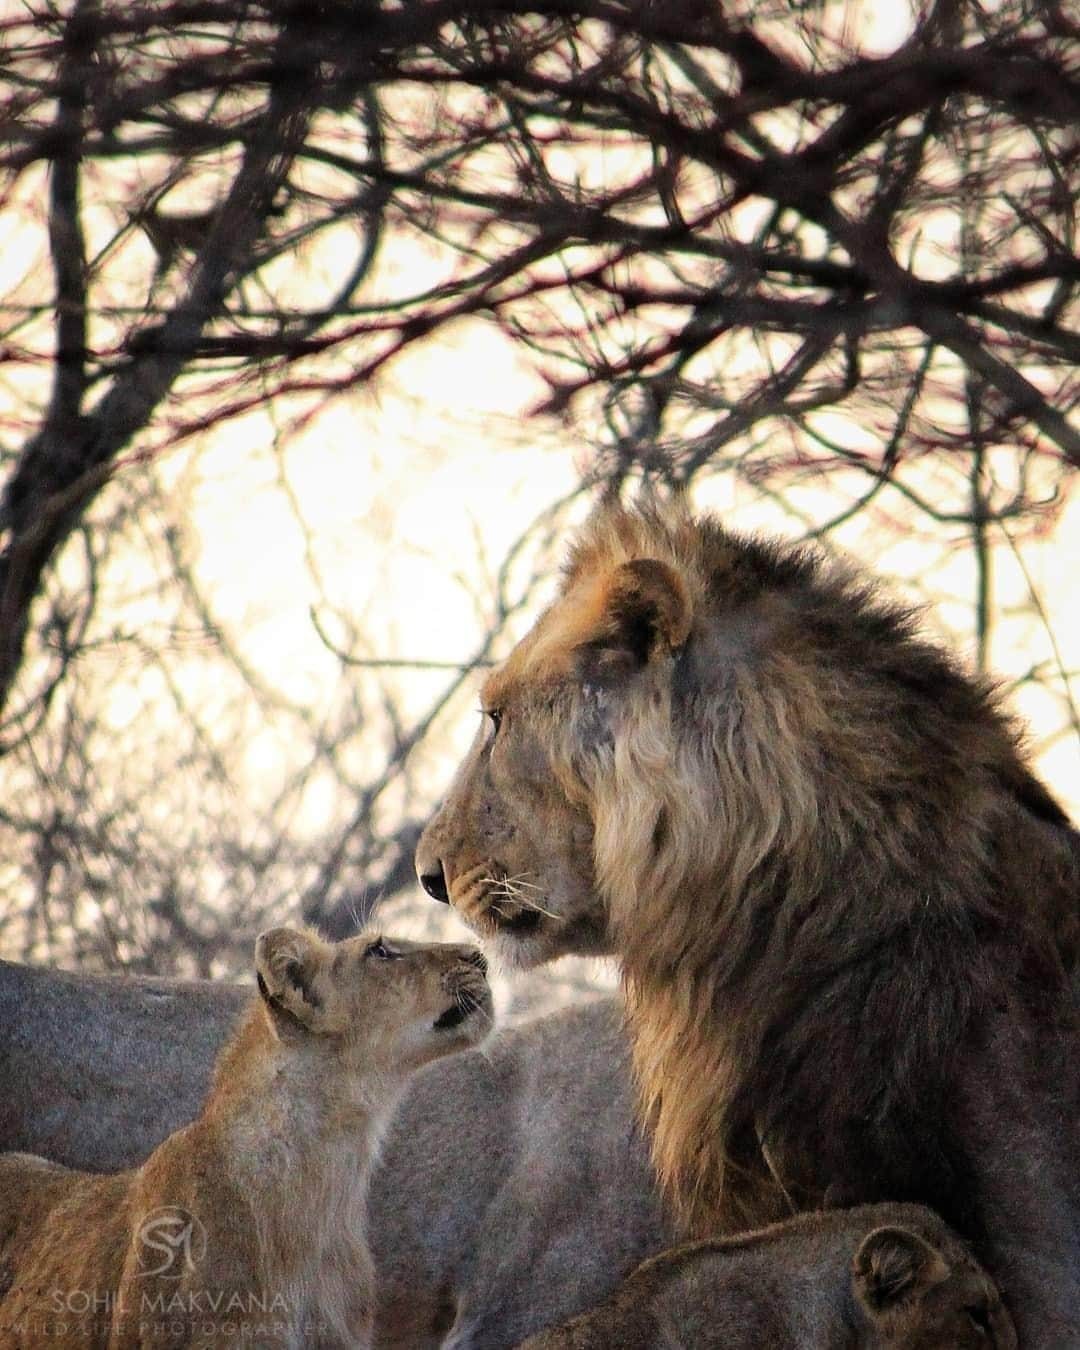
467 1017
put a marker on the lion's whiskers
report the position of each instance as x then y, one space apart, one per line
520 881
513 888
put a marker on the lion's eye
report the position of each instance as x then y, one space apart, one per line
381 951
495 717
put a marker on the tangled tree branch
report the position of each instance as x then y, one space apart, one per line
762 239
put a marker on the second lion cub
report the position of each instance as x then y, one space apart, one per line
247 1227
877 1277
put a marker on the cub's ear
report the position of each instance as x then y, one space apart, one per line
647 608
287 963
893 1268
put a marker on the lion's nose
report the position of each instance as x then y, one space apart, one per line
435 885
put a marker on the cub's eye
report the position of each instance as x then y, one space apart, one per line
381 951
494 715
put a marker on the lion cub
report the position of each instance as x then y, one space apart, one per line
873 1277
247 1227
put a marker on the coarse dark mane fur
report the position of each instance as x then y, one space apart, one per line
859 855
847 912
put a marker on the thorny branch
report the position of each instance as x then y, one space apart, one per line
759 239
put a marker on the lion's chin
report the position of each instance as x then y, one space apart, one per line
515 948
520 949
524 936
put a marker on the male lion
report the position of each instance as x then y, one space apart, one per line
878 1277
846 911
246 1227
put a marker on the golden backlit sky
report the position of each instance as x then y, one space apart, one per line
414 496
392 511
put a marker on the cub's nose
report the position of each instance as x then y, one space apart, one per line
435 884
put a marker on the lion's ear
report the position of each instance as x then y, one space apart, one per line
648 608
893 1267
287 962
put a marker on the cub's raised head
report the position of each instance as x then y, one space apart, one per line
918 1295
387 1003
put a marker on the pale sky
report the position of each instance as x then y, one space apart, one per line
410 496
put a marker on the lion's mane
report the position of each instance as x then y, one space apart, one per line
823 859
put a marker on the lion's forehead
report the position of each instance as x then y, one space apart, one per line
546 655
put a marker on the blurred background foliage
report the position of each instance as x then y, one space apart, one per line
322 322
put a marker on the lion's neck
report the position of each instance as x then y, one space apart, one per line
259 1077
286 1123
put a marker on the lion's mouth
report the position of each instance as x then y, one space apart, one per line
465 1005
521 924
491 901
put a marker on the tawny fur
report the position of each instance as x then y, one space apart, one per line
270 1180
877 1277
847 912
494 1241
